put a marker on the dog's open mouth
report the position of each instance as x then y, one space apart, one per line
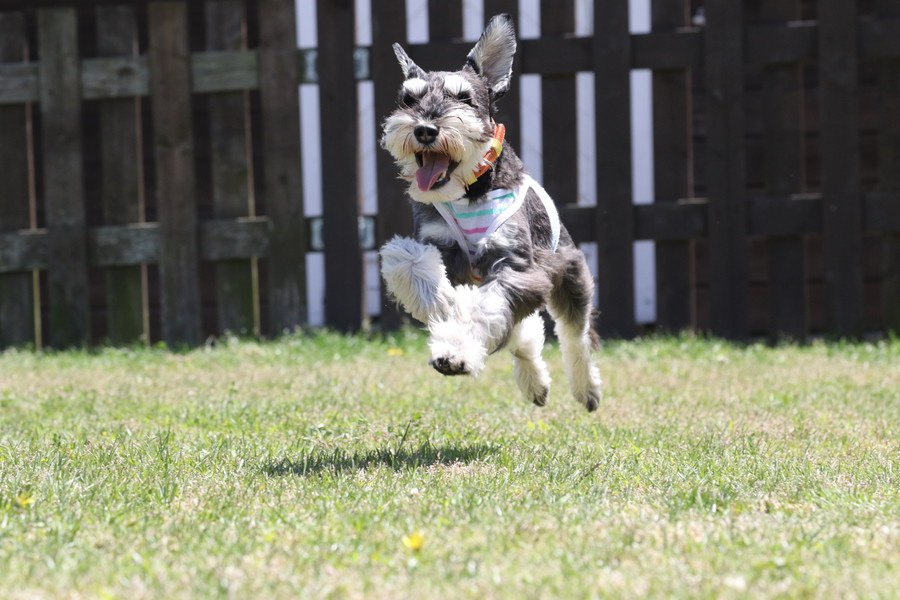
434 170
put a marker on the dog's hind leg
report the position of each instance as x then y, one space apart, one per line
525 343
570 307
415 275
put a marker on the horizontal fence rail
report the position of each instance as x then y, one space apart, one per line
104 78
223 239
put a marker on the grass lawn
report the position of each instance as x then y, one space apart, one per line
344 467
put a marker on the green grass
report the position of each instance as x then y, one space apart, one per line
297 468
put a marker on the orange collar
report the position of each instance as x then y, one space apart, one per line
490 157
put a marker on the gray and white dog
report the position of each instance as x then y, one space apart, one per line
490 250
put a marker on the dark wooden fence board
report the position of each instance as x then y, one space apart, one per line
729 304
394 214
881 38
509 111
614 211
673 175
889 169
121 185
842 219
231 192
63 177
782 107
667 50
559 115
337 93
16 297
445 22
170 87
279 98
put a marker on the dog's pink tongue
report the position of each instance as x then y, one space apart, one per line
433 164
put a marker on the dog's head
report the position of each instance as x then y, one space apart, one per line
443 124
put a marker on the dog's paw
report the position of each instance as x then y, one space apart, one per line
446 365
541 396
592 400
455 350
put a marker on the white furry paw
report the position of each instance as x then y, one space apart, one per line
533 379
454 350
416 277
591 395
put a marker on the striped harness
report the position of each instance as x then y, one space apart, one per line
471 224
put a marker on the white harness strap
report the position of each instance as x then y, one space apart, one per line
471 224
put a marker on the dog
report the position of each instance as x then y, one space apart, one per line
490 251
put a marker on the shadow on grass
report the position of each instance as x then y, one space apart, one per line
337 461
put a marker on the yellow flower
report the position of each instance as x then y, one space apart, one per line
414 541
395 352
24 500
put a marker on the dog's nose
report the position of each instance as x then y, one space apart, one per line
426 134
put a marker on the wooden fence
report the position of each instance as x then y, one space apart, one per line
151 183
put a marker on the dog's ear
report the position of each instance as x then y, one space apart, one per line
410 69
492 56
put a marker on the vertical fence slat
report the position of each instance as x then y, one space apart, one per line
673 175
726 172
559 120
783 137
120 155
279 98
60 83
170 91
614 212
228 133
394 215
841 195
444 23
509 112
338 101
16 308
889 170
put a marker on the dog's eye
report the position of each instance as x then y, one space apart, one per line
408 100
464 97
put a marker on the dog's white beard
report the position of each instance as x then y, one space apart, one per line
461 138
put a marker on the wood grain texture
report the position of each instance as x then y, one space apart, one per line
229 134
170 85
783 137
673 175
445 23
614 212
842 218
683 49
338 102
120 178
726 177
222 239
279 98
63 177
889 169
16 297
394 214
559 122
509 107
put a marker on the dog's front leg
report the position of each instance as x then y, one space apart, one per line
415 275
481 320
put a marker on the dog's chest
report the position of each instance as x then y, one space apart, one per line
472 224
